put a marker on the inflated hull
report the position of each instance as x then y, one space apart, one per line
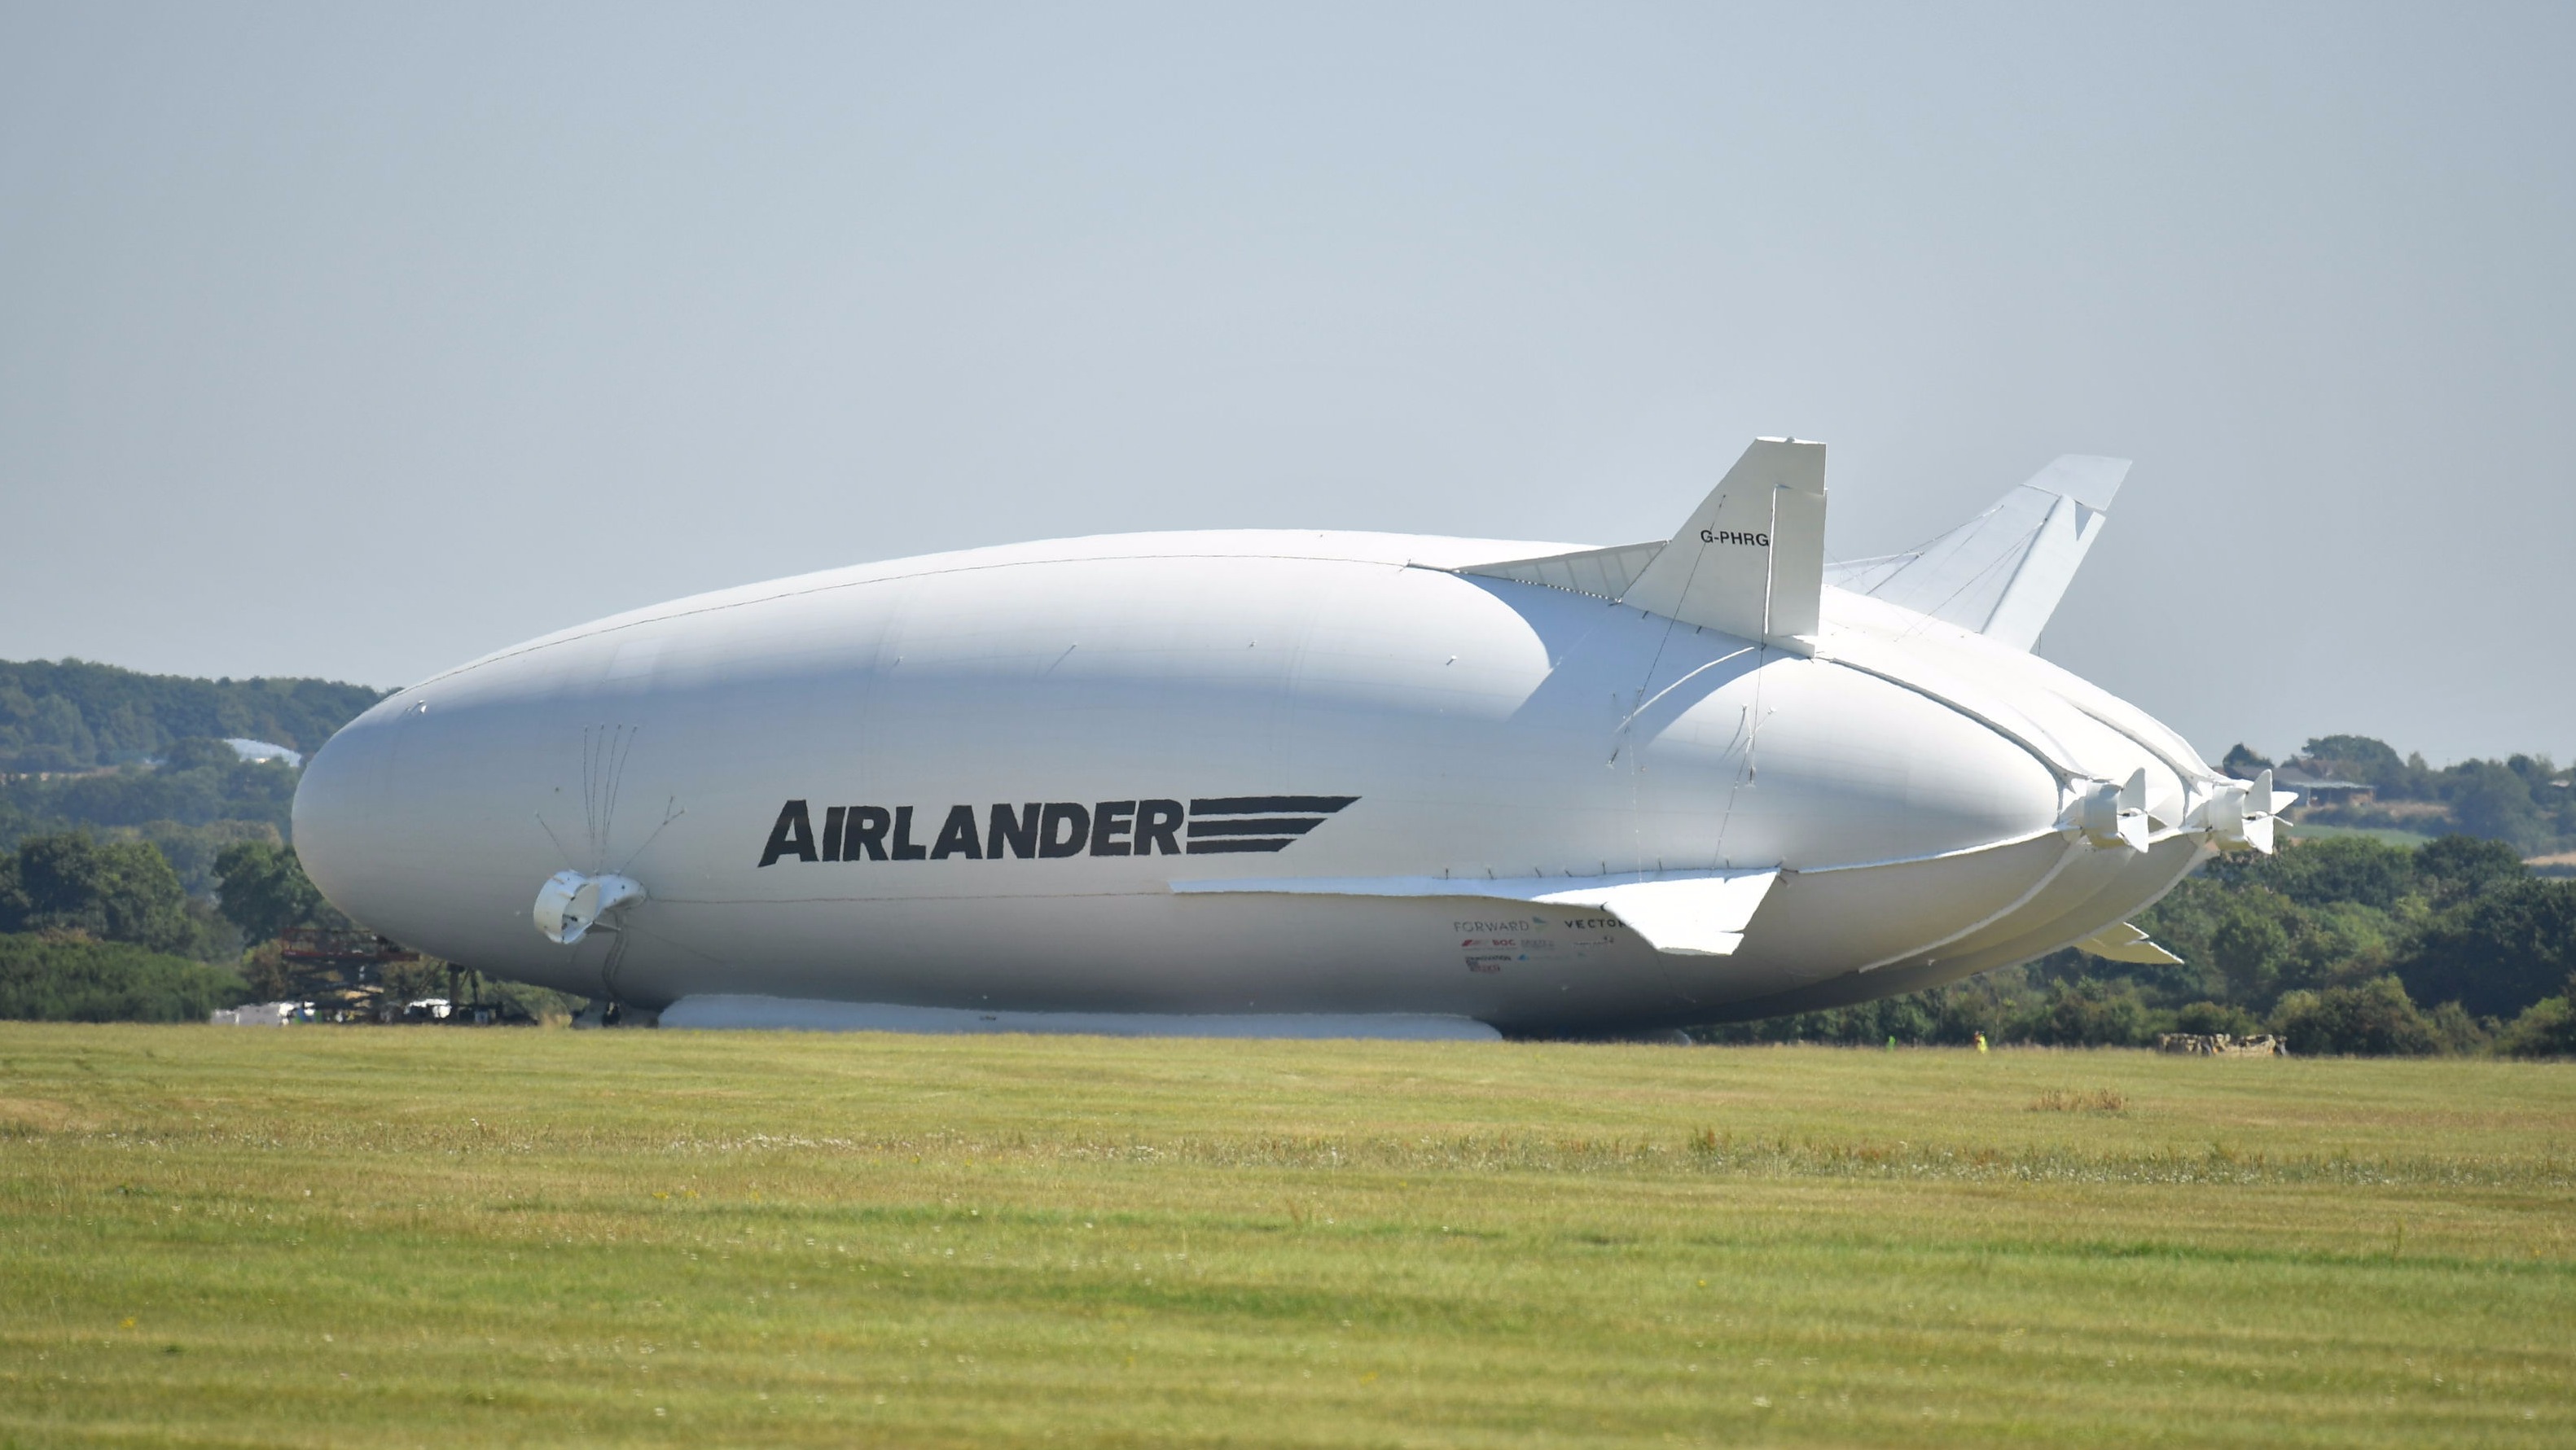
1469 728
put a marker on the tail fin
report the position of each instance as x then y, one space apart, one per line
1750 560
2002 572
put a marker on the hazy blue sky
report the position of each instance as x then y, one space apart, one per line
358 341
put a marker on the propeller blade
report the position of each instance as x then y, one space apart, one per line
2133 825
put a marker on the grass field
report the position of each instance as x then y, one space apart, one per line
357 1236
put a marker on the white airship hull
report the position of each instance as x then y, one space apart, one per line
1894 792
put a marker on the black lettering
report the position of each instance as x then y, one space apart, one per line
794 834
957 836
1158 821
1076 824
1109 821
1015 829
1708 536
866 831
904 849
832 832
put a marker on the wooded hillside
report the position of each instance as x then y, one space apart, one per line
74 715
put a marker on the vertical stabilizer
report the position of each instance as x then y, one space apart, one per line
2002 572
1751 560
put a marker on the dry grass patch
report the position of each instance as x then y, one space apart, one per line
2094 1100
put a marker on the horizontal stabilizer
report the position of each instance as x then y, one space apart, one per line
1603 573
1696 914
2126 943
1750 560
2001 573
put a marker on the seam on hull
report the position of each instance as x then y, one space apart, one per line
2064 859
2192 772
2201 854
2065 772
2020 840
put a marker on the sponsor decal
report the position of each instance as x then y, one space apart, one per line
1041 830
1486 950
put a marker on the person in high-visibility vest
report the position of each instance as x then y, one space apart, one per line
1981 1042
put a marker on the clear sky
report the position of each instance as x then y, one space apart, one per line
359 340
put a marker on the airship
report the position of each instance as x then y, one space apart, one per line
1292 783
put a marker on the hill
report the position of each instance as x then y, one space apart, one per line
127 755
62 715
2356 782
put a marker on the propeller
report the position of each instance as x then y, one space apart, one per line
2240 815
572 902
575 900
2110 813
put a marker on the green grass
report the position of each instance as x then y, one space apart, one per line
355 1236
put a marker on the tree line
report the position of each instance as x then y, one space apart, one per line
2527 800
94 930
2345 944
63 715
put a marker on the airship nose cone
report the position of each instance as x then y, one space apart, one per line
423 820
339 804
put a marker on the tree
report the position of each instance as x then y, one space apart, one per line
2339 868
69 714
2370 761
2499 952
56 979
2091 1013
2454 868
2251 945
2491 801
2336 942
2214 1017
198 753
264 891
118 891
2547 1030
2373 1019
194 787
2243 763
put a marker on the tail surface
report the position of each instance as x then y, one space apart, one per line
2002 572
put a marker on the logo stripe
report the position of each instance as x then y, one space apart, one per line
1249 805
1273 826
